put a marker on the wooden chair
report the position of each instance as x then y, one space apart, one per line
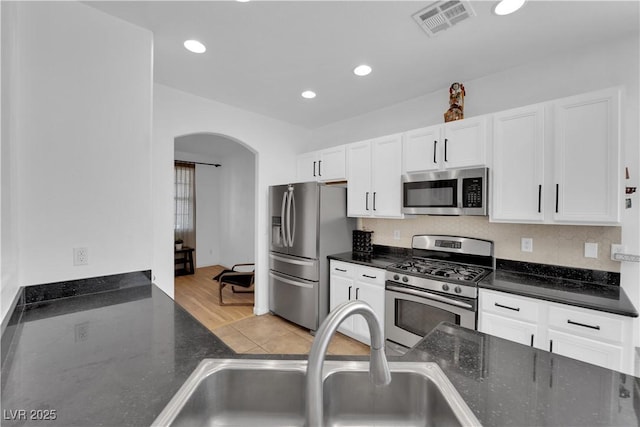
233 277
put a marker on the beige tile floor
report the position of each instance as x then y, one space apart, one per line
272 335
243 331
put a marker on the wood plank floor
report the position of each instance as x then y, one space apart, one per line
198 294
240 329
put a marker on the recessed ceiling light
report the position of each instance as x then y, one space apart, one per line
308 94
195 46
362 70
242 1
506 7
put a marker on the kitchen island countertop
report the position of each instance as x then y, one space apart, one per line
116 358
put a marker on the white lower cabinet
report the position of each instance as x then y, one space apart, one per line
596 337
510 317
510 329
586 349
348 282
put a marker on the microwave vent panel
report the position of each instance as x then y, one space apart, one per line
443 15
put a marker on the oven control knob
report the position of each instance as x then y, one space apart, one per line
457 289
445 287
405 279
396 277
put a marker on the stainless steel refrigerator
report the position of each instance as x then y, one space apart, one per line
308 222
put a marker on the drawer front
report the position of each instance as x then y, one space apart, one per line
374 276
344 269
587 323
512 306
295 266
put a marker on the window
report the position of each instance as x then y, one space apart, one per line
185 203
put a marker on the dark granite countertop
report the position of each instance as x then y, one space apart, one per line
509 384
382 256
579 289
116 358
105 359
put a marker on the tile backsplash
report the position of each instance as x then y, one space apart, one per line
552 244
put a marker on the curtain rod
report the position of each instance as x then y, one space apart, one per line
199 163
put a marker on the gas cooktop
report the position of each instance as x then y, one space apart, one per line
440 269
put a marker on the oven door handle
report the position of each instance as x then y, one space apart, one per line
429 296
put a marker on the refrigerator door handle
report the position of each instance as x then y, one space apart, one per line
283 219
293 261
291 282
291 214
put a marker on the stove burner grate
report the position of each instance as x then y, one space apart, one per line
434 268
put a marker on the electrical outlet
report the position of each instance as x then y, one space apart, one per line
80 256
617 249
526 244
591 250
81 331
396 234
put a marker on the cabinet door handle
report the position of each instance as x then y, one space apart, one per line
319 165
557 196
357 289
445 149
539 198
349 293
369 277
340 269
550 346
435 146
374 200
366 201
531 340
571 322
314 168
506 306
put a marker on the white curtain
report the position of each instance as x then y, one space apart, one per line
185 203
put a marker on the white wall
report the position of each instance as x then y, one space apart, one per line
82 140
599 66
208 227
9 282
237 211
274 143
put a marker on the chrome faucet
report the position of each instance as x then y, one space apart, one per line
378 367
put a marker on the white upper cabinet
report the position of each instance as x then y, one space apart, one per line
457 144
420 149
465 143
359 179
373 175
518 165
324 165
587 173
558 162
307 167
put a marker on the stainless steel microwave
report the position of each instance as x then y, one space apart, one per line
450 192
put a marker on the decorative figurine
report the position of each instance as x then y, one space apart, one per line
456 103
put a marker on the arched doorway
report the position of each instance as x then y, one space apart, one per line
224 196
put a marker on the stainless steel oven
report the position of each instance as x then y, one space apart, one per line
410 314
438 283
451 192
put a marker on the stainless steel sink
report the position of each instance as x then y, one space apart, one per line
240 392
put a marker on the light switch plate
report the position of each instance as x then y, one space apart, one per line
591 250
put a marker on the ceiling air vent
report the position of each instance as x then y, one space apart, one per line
442 15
